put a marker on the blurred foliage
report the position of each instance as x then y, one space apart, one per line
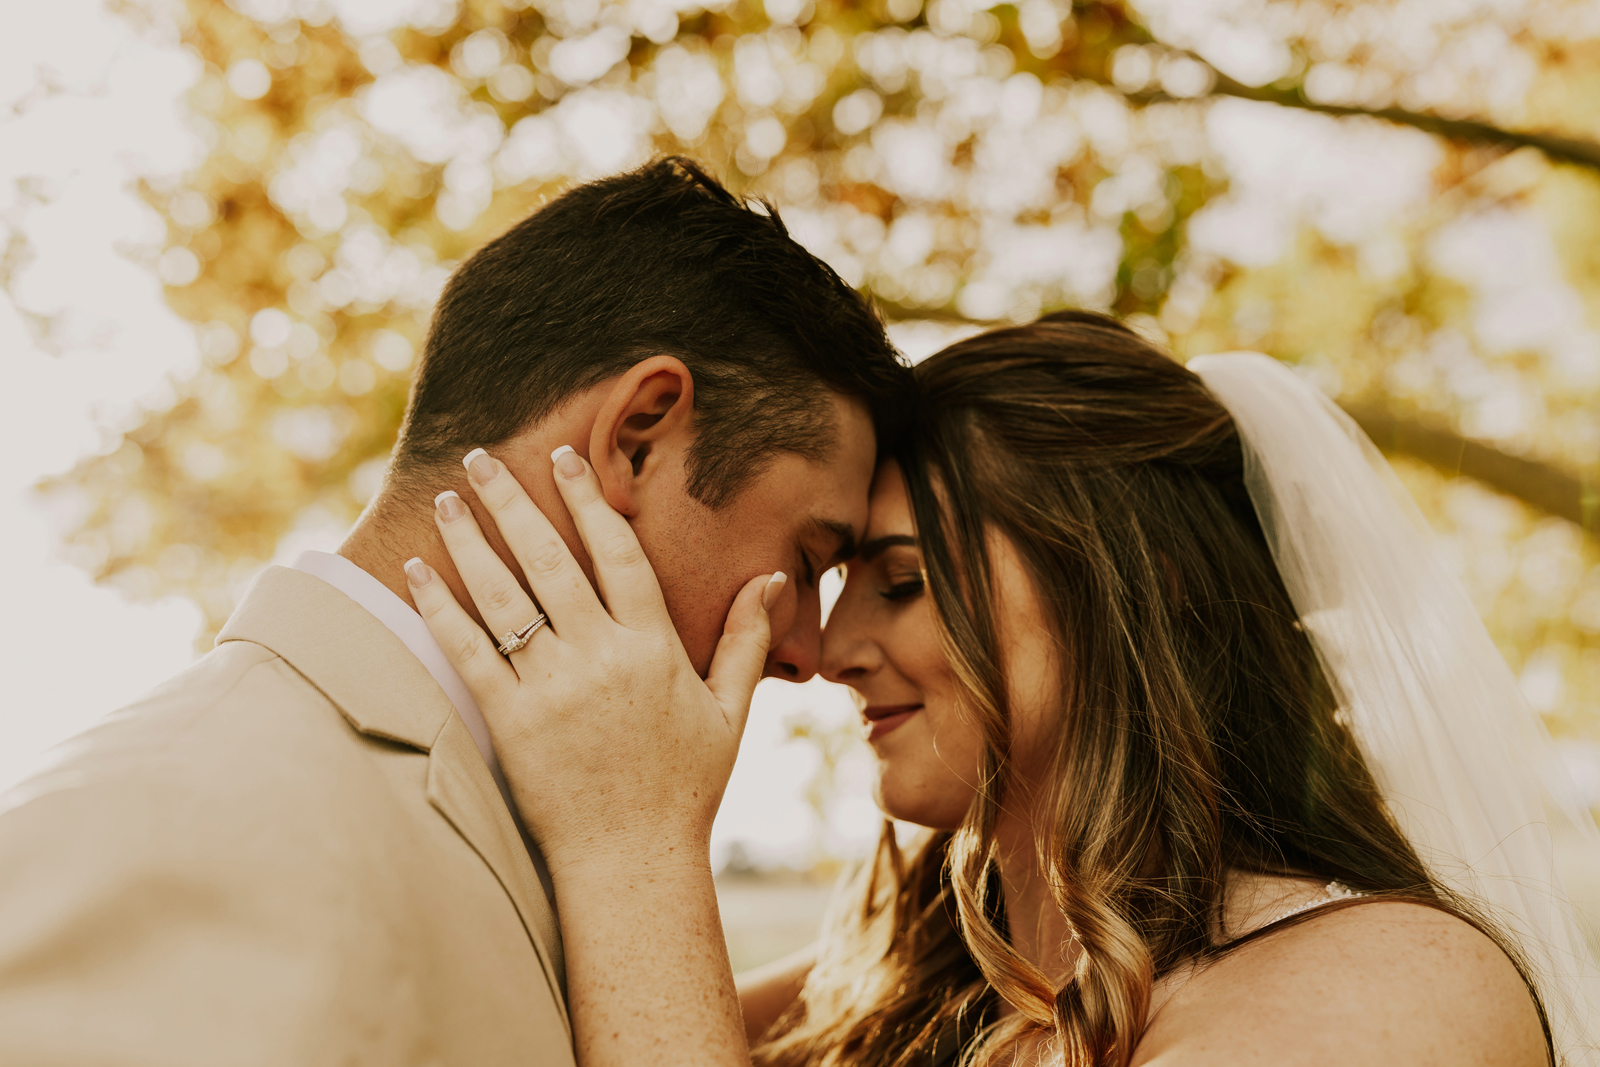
835 742
963 162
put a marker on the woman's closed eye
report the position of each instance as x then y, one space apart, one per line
903 586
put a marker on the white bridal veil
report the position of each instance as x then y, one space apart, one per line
1466 767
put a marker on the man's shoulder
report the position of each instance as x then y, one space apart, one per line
237 686
218 687
237 734
231 860
236 780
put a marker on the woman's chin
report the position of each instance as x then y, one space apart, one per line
921 805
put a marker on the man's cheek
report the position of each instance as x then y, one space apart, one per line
784 613
700 617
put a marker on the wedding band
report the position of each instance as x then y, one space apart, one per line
514 640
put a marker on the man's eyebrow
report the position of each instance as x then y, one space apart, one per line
878 545
843 534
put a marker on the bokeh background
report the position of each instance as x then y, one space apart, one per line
223 225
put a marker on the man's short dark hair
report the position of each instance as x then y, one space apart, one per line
659 260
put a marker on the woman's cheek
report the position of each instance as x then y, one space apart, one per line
930 777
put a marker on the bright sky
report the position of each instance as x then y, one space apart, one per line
70 652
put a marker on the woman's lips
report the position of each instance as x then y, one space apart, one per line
882 718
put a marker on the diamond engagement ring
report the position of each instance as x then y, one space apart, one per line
514 640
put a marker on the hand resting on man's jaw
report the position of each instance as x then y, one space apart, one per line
797 514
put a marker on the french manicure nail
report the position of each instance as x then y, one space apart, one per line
450 506
417 572
771 591
568 463
479 464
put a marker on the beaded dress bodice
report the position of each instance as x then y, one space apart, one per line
1334 890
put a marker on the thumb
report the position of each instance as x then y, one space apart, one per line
742 653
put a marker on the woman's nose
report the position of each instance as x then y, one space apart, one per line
848 656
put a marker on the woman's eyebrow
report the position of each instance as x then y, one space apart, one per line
874 548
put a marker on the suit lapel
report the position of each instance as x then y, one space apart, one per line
385 692
368 673
459 785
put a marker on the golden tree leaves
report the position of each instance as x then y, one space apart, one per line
960 161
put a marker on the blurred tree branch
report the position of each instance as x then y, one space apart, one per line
1540 484
1545 486
338 192
1577 151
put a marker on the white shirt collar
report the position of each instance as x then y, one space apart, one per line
403 621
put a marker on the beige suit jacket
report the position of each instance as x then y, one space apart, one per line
290 854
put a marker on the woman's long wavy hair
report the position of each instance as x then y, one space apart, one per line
1200 734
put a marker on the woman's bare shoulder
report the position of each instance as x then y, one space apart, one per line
1377 983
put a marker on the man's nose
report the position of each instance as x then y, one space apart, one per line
797 654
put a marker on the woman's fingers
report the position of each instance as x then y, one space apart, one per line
742 652
468 648
626 579
504 605
555 577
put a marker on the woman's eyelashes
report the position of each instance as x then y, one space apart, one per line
903 587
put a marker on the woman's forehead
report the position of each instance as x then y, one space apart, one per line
889 506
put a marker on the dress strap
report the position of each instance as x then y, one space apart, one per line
1334 890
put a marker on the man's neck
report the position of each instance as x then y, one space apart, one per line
381 543
399 525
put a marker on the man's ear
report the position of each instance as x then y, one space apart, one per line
651 403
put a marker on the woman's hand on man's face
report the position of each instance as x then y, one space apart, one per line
615 750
